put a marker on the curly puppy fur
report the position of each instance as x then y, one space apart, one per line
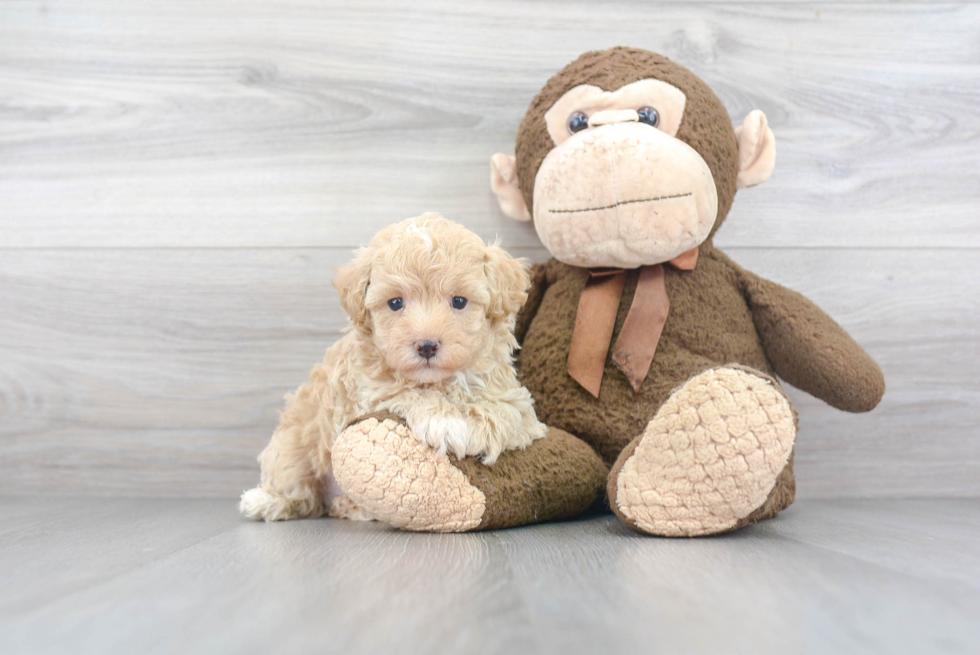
465 398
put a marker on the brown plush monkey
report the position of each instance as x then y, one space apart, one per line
640 337
664 364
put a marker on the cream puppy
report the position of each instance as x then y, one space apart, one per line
432 312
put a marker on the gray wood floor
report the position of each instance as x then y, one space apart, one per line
190 576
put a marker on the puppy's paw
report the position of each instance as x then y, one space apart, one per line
260 505
444 434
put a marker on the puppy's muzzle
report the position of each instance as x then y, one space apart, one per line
427 349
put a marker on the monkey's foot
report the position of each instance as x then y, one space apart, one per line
385 470
711 459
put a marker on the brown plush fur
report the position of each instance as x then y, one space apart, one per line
556 477
711 322
706 126
719 313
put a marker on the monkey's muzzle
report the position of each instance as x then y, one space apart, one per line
623 195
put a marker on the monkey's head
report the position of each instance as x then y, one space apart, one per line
627 159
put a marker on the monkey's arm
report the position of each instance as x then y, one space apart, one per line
539 283
811 351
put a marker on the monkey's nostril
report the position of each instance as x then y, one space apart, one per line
427 349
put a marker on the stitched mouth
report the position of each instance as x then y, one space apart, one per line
617 204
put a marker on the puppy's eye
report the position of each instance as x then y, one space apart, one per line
578 121
395 304
649 115
459 302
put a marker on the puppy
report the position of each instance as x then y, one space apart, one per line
432 312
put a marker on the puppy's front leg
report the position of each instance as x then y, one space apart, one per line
502 423
433 420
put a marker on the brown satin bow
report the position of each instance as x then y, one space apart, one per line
637 341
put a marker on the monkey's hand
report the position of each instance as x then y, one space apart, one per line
811 351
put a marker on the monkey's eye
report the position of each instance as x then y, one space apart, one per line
459 302
395 304
649 115
578 121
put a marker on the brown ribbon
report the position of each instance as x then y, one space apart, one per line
638 340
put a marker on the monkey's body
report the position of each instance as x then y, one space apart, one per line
710 295
709 325
716 312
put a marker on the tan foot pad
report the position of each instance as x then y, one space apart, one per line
709 457
398 480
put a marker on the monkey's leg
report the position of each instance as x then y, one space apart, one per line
717 456
383 468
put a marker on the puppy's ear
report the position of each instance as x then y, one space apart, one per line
351 280
509 281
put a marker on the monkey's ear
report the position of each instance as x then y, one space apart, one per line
503 181
351 280
756 150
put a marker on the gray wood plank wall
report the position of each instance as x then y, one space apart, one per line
177 181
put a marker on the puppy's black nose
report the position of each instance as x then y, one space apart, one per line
427 349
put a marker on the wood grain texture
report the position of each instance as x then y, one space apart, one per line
185 576
311 124
177 182
162 372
